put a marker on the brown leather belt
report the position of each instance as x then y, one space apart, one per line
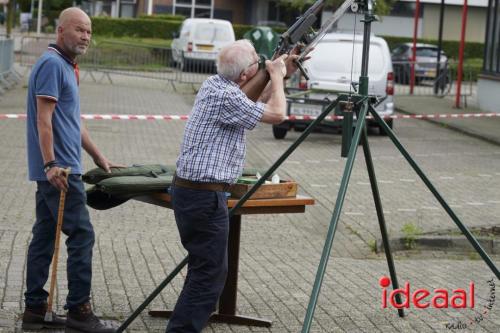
217 187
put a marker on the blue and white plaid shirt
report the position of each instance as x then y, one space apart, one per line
213 148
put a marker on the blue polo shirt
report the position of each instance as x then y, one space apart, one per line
53 77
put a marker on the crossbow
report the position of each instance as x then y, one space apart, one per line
301 35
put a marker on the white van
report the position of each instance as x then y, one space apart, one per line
199 40
329 71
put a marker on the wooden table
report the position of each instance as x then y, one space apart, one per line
227 302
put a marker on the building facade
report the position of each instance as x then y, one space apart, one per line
488 84
400 20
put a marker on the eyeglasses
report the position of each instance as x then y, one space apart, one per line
253 63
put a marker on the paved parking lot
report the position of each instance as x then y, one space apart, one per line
137 244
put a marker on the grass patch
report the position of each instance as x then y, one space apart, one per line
411 232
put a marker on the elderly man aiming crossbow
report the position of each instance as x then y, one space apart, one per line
212 157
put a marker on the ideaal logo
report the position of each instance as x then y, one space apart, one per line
439 299
460 298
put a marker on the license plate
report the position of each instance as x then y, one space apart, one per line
430 73
305 110
204 55
204 47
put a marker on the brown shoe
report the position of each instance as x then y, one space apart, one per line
34 319
81 319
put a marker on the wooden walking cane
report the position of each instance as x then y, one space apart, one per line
55 257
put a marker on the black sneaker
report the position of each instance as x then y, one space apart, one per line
81 319
34 319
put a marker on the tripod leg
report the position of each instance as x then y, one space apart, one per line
152 296
360 124
381 218
437 195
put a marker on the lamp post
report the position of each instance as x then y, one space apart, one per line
39 17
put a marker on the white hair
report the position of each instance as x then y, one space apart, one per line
235 58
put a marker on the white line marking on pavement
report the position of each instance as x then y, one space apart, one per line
362 183
353 213
331 160
494 201
318 185
484 175
475 203
312 161
455 206
407 180
497 173
430 207
386 182
446 178
407 210
422 155
292 162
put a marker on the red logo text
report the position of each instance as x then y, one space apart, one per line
422 298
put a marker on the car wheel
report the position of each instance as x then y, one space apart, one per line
279 132
381 130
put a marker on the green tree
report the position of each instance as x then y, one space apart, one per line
382 7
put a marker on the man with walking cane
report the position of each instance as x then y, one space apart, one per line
55 137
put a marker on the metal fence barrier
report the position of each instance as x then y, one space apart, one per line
426 82
8 76
118 58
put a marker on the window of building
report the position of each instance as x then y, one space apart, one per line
405 9
194 8
492 44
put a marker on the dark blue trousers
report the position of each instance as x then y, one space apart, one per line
203 223
76 225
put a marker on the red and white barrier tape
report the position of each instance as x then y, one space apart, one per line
185 117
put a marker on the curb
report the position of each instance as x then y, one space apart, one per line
463 130
449 243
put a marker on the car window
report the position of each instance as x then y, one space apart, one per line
427 52
184 28
212 32
399 50
334 58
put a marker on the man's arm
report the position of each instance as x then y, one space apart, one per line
275 109
45 110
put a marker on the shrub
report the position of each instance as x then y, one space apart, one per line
146 28
167 17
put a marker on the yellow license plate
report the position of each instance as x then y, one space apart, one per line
430 73
205 47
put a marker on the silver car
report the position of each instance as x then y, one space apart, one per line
425 63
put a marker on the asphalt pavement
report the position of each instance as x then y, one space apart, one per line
137 245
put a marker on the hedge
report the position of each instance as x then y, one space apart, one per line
154 26
132 27
168 17
162 26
